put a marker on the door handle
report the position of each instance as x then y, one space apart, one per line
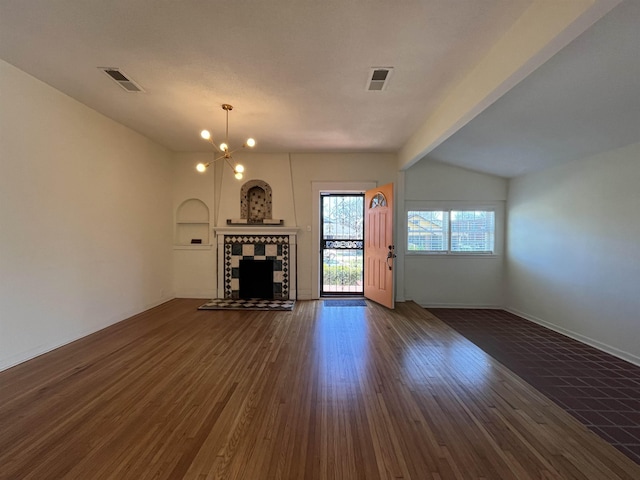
390 256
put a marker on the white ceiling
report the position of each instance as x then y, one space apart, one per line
583 101
296 70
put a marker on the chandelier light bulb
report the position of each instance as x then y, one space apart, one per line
224 150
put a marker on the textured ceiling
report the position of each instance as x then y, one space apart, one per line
296 71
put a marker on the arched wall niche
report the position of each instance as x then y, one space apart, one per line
256 201
192 222
192 209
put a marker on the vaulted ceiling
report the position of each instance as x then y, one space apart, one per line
296 71
583 101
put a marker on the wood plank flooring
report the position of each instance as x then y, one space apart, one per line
317 393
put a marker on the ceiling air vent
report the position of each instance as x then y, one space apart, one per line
378 78
121 79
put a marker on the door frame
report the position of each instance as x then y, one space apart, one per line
324 195
315 228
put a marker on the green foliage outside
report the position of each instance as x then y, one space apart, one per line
347 274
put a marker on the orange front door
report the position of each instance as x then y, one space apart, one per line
378 245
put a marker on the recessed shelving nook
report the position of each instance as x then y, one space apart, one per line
192 223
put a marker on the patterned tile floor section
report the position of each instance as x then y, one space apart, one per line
248 304
600 390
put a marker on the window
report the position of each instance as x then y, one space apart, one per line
451 231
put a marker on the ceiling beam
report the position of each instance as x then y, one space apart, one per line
544 28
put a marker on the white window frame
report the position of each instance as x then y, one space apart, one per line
496 207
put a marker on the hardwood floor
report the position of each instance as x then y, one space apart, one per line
598 389
317 393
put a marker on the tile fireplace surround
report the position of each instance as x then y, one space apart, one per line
257 243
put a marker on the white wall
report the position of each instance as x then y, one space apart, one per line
379 168
85 219
454 281
291 178
194 267
574 255
460 281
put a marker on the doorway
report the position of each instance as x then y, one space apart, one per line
342 244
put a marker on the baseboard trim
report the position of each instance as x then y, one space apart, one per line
629 357
458 305
208 293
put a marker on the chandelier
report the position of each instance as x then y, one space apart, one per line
224 148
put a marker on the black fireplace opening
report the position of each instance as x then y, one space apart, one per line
256 279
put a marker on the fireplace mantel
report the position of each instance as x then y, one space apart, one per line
256 230
260 242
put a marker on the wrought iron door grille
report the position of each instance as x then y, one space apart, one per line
342 244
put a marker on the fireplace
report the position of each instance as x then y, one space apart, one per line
256 279
275 246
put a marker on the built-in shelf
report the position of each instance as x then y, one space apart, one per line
192 223
193 247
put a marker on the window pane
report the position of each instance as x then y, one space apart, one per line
343 217
472 231
428 231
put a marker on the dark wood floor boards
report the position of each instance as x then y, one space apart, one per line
317 393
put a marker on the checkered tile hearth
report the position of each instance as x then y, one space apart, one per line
248 304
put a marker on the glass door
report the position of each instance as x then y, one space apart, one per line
342 244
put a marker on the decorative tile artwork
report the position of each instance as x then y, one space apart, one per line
256 201
256 247
257 204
